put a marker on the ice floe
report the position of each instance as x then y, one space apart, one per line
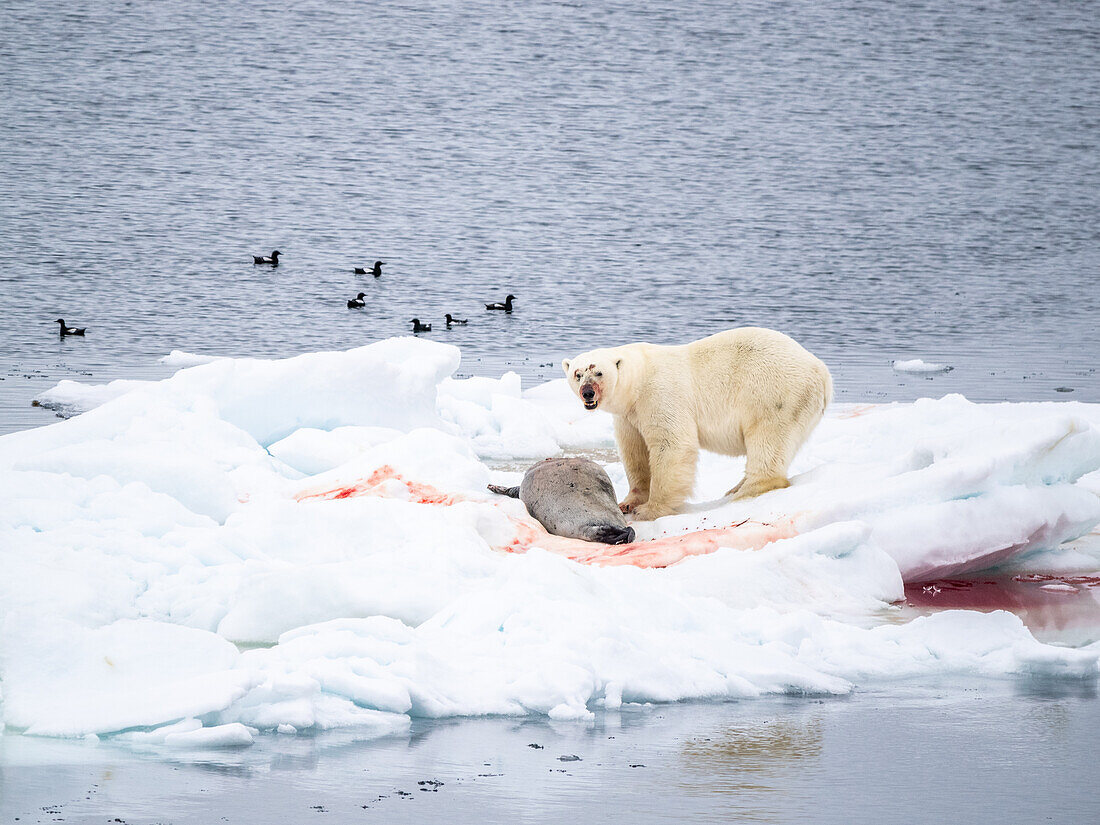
284 545
917 365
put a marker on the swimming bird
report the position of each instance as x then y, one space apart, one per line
273 259
69 330
451 320
419 327
357 301
506 306
377 270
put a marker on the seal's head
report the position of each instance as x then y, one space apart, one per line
609 533
593 376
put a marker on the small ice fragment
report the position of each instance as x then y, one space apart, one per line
1063 389
158 735
179 358
233 735
917 365
571 757
286 729
1059 587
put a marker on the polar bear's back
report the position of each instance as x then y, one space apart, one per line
761 372
753 349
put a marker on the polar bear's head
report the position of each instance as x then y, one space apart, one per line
593 376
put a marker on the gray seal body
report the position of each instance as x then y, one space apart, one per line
572 497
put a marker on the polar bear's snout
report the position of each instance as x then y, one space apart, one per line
593 383
590 396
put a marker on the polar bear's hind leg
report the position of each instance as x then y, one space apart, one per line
769 451
771 444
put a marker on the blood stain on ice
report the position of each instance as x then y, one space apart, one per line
659 552
372 485
858 411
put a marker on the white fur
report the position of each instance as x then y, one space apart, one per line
748 391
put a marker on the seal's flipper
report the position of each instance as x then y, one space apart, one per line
511 492
609 533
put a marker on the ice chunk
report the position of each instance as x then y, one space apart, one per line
312 451
64 680
180 359
232 735
156 736
69 397
917 365
494 416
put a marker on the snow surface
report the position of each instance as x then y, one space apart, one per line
256 545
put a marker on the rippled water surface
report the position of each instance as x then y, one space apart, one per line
880 180
985 754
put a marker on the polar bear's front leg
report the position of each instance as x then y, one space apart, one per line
635 455
672 468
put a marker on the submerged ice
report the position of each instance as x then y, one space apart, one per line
255 545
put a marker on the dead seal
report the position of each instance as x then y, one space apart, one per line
572 497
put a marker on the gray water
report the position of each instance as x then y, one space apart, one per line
879 179
985 754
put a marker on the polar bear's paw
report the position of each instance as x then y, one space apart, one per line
758 486
651 512
634 499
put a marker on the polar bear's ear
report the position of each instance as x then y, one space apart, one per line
565 366
618 363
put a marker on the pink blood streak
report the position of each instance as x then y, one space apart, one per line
857 412
371 486
660 552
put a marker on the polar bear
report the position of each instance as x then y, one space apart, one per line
748 391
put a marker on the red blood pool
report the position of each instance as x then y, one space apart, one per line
1046 603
